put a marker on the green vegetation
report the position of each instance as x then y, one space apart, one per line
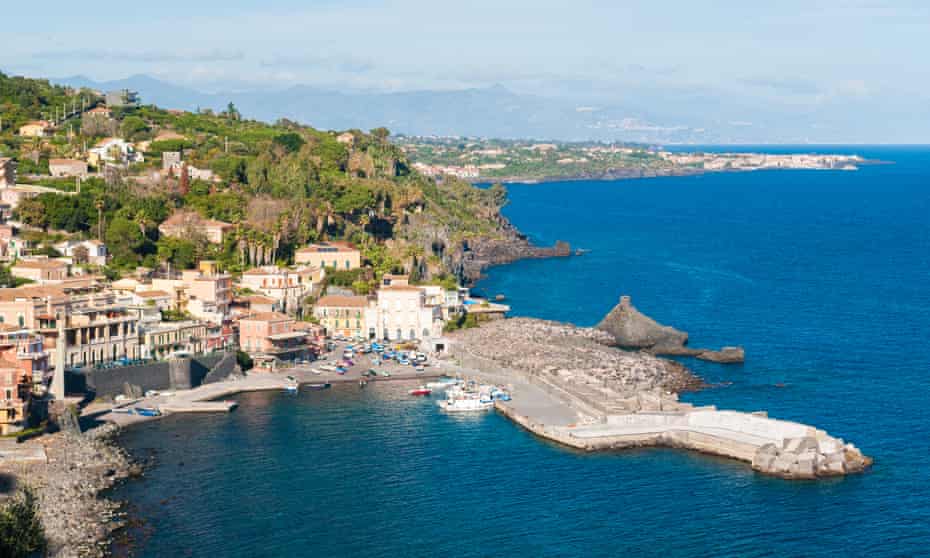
21 531
464 321
280 185
244 361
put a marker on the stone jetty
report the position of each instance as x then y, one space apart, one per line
571 387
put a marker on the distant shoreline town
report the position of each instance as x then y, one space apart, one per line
525 161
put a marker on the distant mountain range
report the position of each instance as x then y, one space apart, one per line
495 112
486 112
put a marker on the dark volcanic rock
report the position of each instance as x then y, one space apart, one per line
726 355
632 329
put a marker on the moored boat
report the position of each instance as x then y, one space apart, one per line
147 412
422 390
318 385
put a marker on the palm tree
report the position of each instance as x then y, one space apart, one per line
142 219
99 205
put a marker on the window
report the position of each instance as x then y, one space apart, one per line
21 320
347 264
413 334
399 336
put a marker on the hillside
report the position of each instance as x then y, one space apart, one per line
281 185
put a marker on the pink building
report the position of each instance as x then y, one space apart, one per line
270 336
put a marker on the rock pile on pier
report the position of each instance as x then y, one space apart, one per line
567 353
810 457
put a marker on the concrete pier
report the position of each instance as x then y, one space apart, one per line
569 388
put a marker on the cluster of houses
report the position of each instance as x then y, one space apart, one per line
97 323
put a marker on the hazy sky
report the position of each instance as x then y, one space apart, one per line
843 54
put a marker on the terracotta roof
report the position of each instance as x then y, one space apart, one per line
266 317
401 288
99 110
340 301
40 264
65 162
33 291
259 299
152 294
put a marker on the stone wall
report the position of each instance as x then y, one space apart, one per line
181 373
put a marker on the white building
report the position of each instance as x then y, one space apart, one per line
113 150
96 250
288 286
404 315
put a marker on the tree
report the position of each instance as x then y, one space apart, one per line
124 242
31 211
21 531
133 126
80 254
179 252
381 134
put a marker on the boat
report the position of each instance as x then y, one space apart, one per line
291 388
422 390
147 412
319 385
466 404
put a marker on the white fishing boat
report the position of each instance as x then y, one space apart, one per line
460 400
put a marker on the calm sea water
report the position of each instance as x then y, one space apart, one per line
822 276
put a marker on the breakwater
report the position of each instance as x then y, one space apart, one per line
621 400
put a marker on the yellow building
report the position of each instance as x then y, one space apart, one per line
35 129
343 315
338 255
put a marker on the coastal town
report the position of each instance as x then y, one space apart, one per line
484 160
157 262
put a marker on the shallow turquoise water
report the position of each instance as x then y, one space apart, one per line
821 276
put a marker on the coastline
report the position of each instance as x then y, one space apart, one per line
637 174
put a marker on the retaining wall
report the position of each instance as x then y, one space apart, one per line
174 374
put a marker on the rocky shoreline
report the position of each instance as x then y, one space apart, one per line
78 468
509 246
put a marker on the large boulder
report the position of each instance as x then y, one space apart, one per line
726 355
632 329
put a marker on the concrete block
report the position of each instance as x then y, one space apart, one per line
801 444
783 463
806 467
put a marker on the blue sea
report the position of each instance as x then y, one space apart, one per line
824 278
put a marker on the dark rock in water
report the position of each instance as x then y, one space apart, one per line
632 329
726 355
500 297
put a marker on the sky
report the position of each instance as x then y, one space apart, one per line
857 59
